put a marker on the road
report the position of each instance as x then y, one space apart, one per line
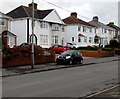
68 82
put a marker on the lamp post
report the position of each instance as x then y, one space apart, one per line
32 55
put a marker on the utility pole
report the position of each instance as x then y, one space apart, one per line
32 55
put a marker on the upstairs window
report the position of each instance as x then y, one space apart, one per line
105 31
79 28
95 30
43 24
63 29
55 27
2 22
85 39
84 29
90 30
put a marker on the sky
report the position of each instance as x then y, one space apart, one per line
106 10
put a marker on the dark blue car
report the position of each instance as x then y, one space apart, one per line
70 57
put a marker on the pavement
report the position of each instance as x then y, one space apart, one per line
20 70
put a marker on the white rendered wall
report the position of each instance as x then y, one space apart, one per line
19 28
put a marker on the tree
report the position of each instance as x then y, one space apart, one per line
114 43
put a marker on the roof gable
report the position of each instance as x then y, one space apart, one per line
53 17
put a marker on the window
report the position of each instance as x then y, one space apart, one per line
96 40
90 30
72 39
43 39
55 39
85 39
62 41
63 29
79 39
2 22
90 39
11 42
84 29
43 24
79 28
105 30
95 30
55 27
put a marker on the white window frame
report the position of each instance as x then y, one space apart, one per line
55 39
2 22
55 27
44 39
43 25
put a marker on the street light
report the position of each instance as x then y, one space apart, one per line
32 55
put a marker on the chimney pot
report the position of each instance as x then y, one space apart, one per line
35 5
95 18
74 14
111 23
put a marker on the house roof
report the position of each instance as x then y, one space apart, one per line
23 11
4 16
96 23
111 24
7 33
74 20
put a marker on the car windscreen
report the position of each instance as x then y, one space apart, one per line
67 52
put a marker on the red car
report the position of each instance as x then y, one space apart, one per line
59 48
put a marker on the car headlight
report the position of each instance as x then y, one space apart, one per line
68 57
58 56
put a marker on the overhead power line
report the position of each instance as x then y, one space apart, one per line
64 9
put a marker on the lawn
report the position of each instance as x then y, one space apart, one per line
88 50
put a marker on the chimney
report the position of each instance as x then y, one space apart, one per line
95 18
111 23
35 5
74 14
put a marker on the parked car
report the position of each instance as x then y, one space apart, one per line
59 48
70 57
24 44
71 45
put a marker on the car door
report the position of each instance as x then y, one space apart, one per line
78 56
75 56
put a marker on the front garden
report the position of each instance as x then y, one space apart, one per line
21 55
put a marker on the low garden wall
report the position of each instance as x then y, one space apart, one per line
117 52
98 53
20 56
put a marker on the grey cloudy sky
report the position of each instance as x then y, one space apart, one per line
106 10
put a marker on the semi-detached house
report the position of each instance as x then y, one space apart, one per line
103 33
79 32
48 26
6 37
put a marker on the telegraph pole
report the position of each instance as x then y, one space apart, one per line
32 55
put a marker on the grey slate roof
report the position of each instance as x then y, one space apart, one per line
23 11
99 24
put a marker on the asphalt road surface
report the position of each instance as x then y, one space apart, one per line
68 82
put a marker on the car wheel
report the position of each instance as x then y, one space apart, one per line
70 62
81 62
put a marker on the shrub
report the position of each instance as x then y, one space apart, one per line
114 43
